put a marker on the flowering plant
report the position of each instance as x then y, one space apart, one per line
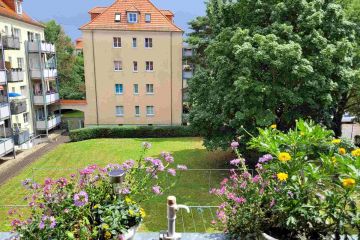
88 206
306 186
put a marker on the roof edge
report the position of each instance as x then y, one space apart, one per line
38 24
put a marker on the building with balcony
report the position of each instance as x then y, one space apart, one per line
188 73
133 65
28 75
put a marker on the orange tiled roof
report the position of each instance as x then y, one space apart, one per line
6 11
98 10
79 44
106 20
167 12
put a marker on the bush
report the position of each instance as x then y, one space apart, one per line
132 132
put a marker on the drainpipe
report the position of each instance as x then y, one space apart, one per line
44 87
94 64
171 76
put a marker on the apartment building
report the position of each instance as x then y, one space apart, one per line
28 78
133 65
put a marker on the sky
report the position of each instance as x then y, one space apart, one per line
72 14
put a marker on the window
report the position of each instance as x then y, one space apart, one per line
134 42
135 66
149 88
132 17
117 17
150 111
17 33
117 42
136 88
149 66
117 65
23 90
37 37
137 111
31 36
148 43
119 89
20 62
18 7
147 17
26 117
6 30
119 111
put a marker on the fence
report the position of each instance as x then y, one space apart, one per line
192 189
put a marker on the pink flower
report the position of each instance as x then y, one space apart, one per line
169 159
146 145
80 199
243 185
172 172
235 162
182 167
256 179
225 181
272 203
157 190
240 200
234 145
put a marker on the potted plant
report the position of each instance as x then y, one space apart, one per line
90 206
304 187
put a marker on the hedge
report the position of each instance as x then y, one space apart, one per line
132 132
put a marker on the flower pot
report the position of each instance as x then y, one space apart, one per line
130 234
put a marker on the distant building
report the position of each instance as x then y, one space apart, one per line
133 65
28 79
188 73
79 45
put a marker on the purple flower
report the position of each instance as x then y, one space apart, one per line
259 166
240 200
256 179
15 223
80 199
45 220
235 162
62 182
265 158
225 181
26 182
172 172
169 159
86 171
272 203
128 165
146 145
125 191
157 190
182 167
234 145
158 165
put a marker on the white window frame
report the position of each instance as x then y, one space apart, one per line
137 111
117 17
121 114
136 88
17 33
118 66
149 66
18 7
26 117
148 43
117 42
130 17
152 112
150 89
122 89
147 17
135 66
134 42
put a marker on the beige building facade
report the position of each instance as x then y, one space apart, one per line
133 66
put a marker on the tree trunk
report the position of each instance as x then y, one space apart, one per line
340 111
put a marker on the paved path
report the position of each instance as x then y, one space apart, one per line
13 170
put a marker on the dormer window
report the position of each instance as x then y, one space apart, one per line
132 17
148 17
117 17
18 7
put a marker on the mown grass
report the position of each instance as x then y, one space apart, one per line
192 186
72 114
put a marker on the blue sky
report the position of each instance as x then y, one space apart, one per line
71 14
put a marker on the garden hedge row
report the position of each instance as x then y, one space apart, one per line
132 132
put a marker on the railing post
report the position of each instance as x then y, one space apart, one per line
117 177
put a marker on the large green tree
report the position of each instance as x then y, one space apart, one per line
70 65
272 61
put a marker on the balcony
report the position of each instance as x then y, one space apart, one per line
50 124
188 74
44 47
49 99
15 75
21 137
18 106
2 76
4 111
6 146
188 52
47 73
11 42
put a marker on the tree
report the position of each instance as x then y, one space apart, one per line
70 66
271 61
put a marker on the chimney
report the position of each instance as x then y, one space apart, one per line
11 4
170 17
94 15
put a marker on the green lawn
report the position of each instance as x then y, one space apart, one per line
192 187
72 114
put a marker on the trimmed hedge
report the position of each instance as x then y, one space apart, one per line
132 132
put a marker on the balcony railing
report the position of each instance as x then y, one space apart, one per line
188 52
188 74
16 75
11 42
51 123
4 111
47 73
2 76
21 137
49 99
37 46
18 107
6 146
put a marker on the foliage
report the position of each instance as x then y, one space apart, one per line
290 60
306 186
70 66
91 207
132 132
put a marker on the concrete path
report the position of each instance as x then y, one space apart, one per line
13 166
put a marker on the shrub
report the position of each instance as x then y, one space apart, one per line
132 132
305 187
